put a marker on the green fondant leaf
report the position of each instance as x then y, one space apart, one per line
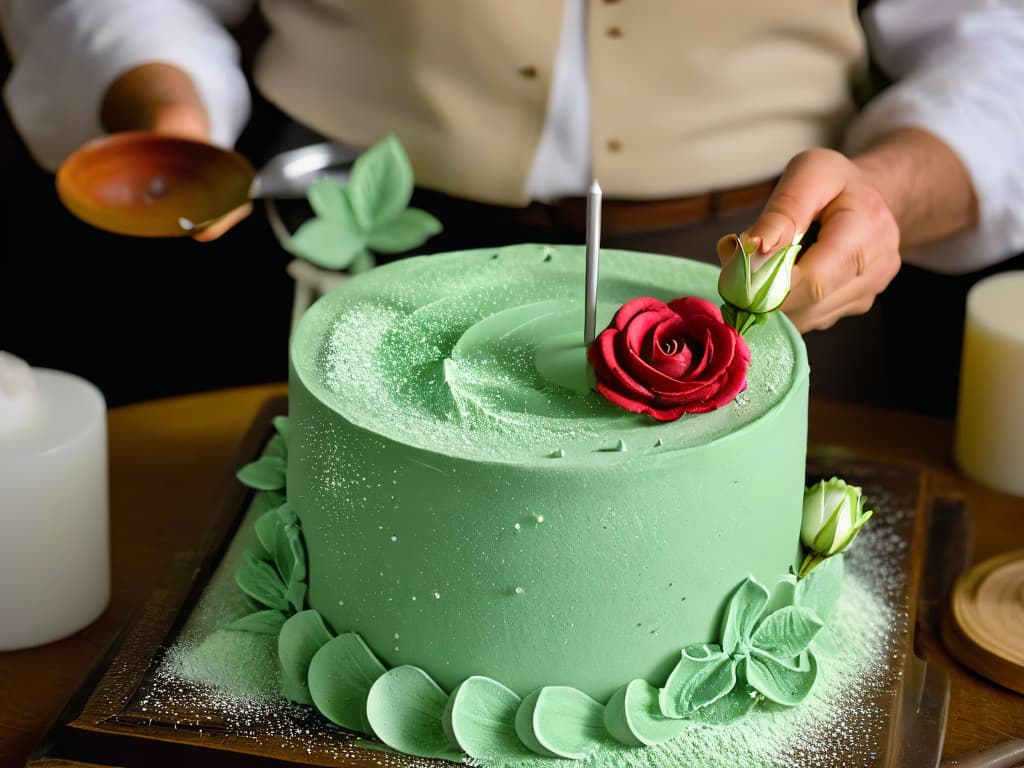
633 716
287 515
300 638
295 594
284 555
405 708
326 243
262 623
787 633
267 528
264 474
276 447
292 552
782 594
408 229
781 682
821 588
703 675
281 426
727 710
330 201
744 609
559 721
380 184
340 676
260 581
481 718
826 643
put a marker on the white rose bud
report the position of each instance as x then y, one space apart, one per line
750 294
833 515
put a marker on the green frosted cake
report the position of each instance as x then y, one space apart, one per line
479 553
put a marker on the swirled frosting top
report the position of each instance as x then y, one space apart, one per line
479 354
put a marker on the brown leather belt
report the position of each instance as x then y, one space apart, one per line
623 217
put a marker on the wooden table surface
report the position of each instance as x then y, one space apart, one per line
169 461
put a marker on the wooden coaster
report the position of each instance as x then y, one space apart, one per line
984 623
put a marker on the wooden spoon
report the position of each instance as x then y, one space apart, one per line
144 184
153 185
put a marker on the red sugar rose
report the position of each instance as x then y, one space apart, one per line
669 359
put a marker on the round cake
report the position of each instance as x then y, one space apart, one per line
469 504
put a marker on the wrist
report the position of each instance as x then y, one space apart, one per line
924 184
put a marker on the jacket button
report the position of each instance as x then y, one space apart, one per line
614 145
614 32
528 73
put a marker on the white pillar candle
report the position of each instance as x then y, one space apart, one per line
990 409
54 545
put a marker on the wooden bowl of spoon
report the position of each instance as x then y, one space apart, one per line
149 184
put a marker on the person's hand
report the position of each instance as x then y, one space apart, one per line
857 251
160 97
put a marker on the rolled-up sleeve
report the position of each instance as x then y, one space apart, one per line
958 67
67 53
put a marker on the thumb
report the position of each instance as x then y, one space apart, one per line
810 182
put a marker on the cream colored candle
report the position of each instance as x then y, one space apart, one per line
54 544
990 411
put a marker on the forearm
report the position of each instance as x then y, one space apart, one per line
157 96
923 182
958 75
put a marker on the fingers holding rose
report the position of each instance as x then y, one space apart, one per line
855 258
857 251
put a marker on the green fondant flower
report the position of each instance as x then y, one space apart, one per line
369 213
750 294
764 653
833 515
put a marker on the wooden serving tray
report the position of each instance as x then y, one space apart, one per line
119 717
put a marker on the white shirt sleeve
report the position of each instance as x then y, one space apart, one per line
67 53
959 72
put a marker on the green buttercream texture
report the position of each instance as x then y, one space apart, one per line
428 399
245 664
